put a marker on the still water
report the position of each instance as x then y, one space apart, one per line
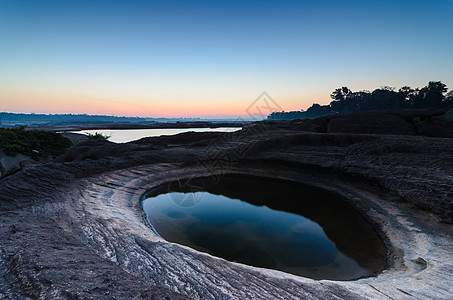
127 135
268 223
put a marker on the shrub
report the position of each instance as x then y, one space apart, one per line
448 115
19 140
98 136
419 121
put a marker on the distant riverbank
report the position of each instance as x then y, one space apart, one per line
154 125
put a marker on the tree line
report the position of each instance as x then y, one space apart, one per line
432 96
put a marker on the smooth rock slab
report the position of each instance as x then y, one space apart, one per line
75 229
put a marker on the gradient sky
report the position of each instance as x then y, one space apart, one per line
206 58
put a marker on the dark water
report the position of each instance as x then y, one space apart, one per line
268 223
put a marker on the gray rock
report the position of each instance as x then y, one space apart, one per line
10 164
74 229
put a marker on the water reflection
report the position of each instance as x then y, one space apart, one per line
128 135
276 224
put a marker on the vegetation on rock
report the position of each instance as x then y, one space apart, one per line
32 142
448 115
97 136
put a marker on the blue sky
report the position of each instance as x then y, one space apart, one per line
174 58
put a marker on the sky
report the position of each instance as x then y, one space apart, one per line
213 58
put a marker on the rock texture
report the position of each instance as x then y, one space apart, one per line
398 122
73 229
10 164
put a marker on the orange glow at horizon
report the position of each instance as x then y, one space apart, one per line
57 103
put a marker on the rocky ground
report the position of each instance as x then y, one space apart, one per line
73 228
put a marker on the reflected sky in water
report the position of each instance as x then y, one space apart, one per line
128 135
251 234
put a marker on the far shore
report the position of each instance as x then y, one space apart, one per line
154 125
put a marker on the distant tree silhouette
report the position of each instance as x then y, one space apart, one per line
406 93
340 94
317 110
387 88
383 98
291 115
449 99
434 95
347 101
430 96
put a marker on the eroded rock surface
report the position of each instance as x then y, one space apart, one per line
10 164
73 229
